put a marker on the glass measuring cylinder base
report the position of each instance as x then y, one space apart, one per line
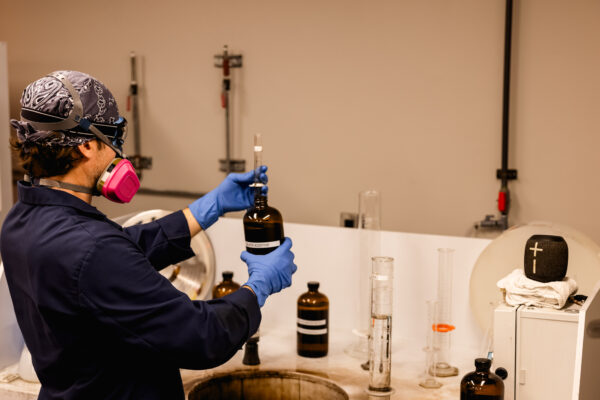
377 393
443 370
442 345
429 382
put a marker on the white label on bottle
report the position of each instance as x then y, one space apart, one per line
263 245
312 322
312 331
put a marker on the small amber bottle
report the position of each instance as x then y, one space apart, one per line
313 322
482 384
225 287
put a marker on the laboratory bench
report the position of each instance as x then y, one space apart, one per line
330 255
277 352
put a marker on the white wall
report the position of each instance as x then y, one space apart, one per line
555 107
331 256
403 96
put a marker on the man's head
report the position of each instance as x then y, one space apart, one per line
53 152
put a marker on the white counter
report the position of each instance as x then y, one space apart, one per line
17 389
277 351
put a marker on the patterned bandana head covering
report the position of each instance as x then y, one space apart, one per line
48 95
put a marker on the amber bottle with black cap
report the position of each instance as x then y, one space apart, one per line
226 286
313 322
482 384
263 224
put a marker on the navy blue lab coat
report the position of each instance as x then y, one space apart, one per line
99 320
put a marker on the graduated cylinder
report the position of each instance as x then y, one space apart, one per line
380 331
443 325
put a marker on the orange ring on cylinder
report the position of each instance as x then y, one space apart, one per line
442 327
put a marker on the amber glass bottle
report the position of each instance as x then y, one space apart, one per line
313 322
263 226
225 287
482 384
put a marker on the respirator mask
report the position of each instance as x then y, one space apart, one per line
119 181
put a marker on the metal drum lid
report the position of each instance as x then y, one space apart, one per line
194 276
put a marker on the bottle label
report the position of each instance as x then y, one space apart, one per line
305 331
316 325
312 322
263 245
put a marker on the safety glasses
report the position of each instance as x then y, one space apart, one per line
116 133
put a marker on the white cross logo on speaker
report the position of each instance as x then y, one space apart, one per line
535 249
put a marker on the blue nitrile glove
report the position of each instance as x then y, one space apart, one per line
233 194
271 272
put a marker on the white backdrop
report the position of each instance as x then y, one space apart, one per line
330 255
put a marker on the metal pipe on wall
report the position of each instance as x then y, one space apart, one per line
504 174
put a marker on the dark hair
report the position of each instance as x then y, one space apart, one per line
42 161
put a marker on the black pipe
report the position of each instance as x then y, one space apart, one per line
170 193
506 90
504 174
135 116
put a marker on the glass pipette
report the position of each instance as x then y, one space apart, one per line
257 160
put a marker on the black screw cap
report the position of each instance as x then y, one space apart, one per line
502 372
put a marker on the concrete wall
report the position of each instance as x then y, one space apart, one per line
403 96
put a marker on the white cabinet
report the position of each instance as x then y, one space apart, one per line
545 351
546 358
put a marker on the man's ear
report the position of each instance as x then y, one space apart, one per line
86 149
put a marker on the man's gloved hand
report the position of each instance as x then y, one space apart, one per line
271 272
233 194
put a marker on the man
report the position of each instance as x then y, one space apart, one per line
97 317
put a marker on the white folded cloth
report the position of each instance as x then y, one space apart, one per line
519 289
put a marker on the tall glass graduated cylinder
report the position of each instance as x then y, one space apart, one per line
380 331
443 326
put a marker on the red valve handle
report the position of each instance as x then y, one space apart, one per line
502 201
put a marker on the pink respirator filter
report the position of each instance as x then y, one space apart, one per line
122 183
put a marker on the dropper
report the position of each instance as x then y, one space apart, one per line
257 160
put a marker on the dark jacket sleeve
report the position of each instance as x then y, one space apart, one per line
134 304
165 241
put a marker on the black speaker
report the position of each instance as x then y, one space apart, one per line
546 258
